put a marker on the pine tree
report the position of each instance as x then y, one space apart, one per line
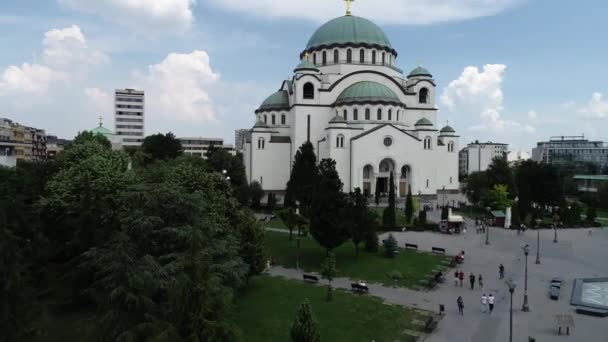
303 177
388 217
304 327
390 246
377 193
409 205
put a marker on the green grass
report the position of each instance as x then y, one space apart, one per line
371 267
265 312
399 216
275 223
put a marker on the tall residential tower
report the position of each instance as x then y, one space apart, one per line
129 112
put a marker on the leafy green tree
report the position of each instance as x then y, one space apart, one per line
304 328
87 136
477 187
256 192
327 212
328 271
395 277
371 235
252 245
499 172
499 197
222 161
303 178
390 246
161 147
291 219
409 205
422 217
359 218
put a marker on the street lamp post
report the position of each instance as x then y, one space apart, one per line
488 227
511 284
538 221
298 238
525 307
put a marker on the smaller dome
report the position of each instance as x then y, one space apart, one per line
423 122
306 65
260 124
448 129
278 100
367 91
103 131
419 71
337 119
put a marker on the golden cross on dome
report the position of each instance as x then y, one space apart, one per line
348 6
100 120
306 56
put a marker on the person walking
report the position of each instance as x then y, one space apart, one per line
460 305
461 278
501 271
441 309
472 281
484 303
480 282
491 302
456 276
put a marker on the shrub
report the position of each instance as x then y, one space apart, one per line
390 246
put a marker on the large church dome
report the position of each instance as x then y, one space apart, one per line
349 30
366 91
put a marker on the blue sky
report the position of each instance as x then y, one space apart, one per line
514 71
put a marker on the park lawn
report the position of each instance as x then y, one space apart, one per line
275 223
371 267
267 307
399 216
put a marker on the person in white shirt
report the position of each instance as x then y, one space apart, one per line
484 303
491 302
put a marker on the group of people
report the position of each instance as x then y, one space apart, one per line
480 226
487 301
459 279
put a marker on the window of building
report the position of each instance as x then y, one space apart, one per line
367 114
261 144
390 114
423 95
265 119
388 141
349 56
336 56
324 57
368 171
314 58
309 91
356 115
345 115
427 183
373 57
383 58
397 114
274 122
282 119
450 180
340 141
362 56
427 143
451 146
379 115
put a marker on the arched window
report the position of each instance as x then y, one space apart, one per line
404 170
427 183
386 165
383 58
427 143
374 57
274 121
397 114
282 119
451 146
349 56
309 91
314 58
367 114
390 114
336 56
368 171
265 119
362 56
450 180
379 116
324 57
261 143
356 115
340 141
345 115
423 95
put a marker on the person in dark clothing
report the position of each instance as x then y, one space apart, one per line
501 271
460 305
441 309
472 281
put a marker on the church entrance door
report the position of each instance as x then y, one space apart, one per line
383 184
402 189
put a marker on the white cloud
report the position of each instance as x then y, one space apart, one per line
66 55
178 87
532 116
140 14
99 100
404 12
596 108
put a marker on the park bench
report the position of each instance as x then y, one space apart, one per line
430 324
564 321
359 288
438 250
411 246
310 278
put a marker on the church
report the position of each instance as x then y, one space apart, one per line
350 100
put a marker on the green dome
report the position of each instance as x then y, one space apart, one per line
419 71
423 122
349 29
367 91
103 131
448 129
278 100
306 65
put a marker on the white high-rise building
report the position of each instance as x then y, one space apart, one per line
129 114
478 156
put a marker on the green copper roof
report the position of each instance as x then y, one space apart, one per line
306 65
423 122
448 129
337 118
420 71
348 29
278 100
367 91
103 131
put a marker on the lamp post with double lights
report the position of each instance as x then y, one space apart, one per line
525 307
538 221
512 285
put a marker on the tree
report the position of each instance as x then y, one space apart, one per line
304 327
390 246
161 147
327 212
409 205
272 201
388 218
395 276
422 217
499 172
328 271
252 246
371 236
291 219
256 192
477 187
377 192
359 218
499 197
591 215
87 136
303 178
222 161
